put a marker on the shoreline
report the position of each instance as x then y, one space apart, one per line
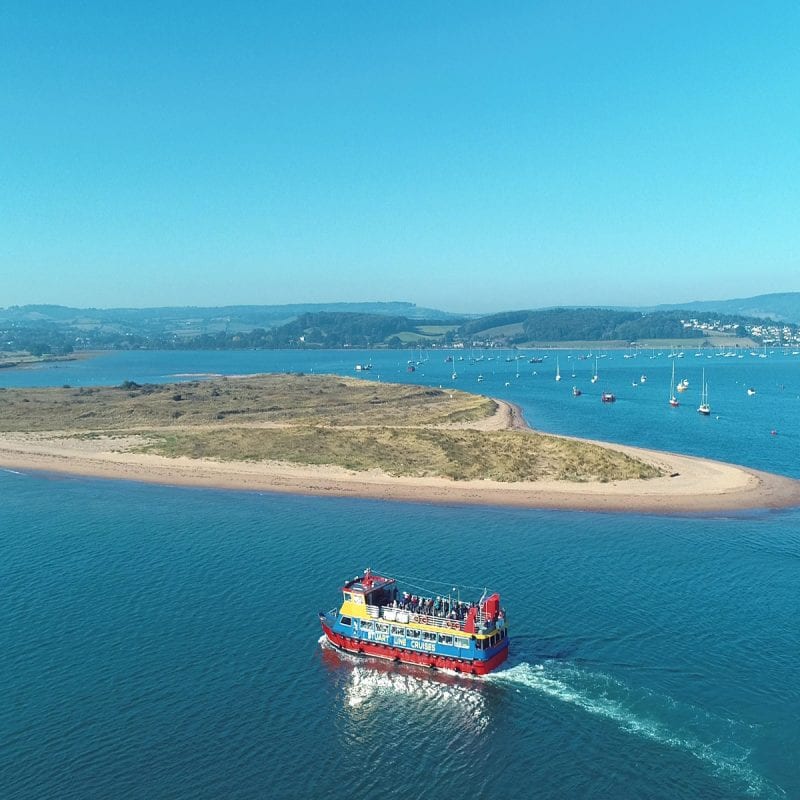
691 484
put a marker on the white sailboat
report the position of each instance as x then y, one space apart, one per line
595 377
673 400
558 370
704 407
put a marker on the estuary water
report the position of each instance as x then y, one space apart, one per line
163 643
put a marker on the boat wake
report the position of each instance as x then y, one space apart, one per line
717 742
435 691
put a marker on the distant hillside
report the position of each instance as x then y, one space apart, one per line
57 330
589 324
784 307
219 316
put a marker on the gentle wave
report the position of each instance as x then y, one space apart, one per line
711 739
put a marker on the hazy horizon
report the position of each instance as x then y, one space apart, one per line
471 158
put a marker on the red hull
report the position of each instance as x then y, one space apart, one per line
359 647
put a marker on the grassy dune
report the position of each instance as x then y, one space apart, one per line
319 420
311 399
418 452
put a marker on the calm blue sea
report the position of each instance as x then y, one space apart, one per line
163 643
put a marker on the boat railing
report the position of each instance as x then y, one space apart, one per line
392 614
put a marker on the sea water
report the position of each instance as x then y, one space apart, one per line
163 643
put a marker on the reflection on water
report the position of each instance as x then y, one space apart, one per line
370 682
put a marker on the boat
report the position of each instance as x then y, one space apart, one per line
363 367
673 400
375 619
595 376
608 397
558 371
704 408
751 391
576 392
643 379
411 367
480 378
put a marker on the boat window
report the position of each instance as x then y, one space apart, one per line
411 633
429 636
381 627
347 596
445 638
398 630
480 644
460 641
346 621
367 626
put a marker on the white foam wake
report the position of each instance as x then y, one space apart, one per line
711 739
449 694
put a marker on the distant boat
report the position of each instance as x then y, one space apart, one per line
480 378
558 370
673 401
704 408
608 397
410 368
643 379
363 367
576 392
751 391
595 376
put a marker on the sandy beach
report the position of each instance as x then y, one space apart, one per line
691 485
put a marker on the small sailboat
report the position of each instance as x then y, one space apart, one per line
704 408
595 376
608 397
576 392
558 370
673 400
750 391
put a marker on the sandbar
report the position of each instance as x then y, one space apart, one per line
691 485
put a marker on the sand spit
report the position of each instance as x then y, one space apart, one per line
691 485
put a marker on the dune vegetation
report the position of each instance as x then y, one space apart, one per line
359 425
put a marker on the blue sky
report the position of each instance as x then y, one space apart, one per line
469 156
